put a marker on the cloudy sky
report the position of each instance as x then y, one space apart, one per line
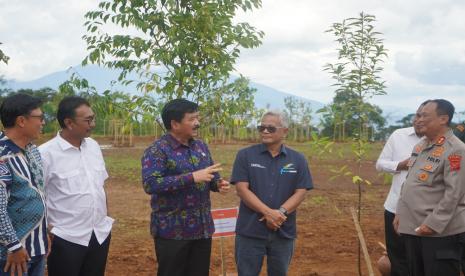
425 39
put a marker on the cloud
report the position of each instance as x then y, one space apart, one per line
434 66
424 38
42 36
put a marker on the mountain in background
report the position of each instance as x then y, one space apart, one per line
101 79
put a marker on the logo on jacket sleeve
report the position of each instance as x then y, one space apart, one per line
454 162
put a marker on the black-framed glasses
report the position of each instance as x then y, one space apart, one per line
270 129
41 117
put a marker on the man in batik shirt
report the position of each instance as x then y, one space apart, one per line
23 227
178 172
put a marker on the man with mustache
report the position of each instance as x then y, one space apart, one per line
430 209
178 172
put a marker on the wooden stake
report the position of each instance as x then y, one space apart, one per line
223 268
362 242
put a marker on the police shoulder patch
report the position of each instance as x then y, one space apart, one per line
454 162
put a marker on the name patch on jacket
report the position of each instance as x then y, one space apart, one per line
434 160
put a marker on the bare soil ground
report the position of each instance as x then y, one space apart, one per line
327 240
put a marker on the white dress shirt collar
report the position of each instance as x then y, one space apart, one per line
65 145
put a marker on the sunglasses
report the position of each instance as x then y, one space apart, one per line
270 129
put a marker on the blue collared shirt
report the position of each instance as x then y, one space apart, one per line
180 207
273 180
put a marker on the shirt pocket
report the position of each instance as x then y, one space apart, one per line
70 182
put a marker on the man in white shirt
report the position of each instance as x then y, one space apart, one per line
74 173
393 159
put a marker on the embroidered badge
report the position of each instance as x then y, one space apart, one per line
441 140
289 168
461 128
428 167
454 162
438 151
423 176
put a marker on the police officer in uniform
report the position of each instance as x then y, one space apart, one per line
430 211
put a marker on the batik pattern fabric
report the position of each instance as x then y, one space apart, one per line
180 207
22 207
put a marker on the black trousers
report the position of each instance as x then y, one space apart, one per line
462 261
395 246
70 259
434 256
183 257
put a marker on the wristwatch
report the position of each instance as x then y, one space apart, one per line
283 210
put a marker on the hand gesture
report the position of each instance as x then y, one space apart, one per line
206 175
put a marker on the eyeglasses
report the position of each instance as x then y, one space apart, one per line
270 129
89 120
41 117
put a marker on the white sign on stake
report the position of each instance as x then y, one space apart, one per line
225 222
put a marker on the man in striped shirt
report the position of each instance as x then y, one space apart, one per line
23 233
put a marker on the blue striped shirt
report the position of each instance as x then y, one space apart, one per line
22 208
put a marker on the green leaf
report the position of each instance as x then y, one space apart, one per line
356 179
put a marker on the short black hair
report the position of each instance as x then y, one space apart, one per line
67 108
17 105
176 109
444 107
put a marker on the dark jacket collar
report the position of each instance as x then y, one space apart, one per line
264 149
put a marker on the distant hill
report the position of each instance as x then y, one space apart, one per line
101 79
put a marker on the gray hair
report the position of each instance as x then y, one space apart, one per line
283 119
